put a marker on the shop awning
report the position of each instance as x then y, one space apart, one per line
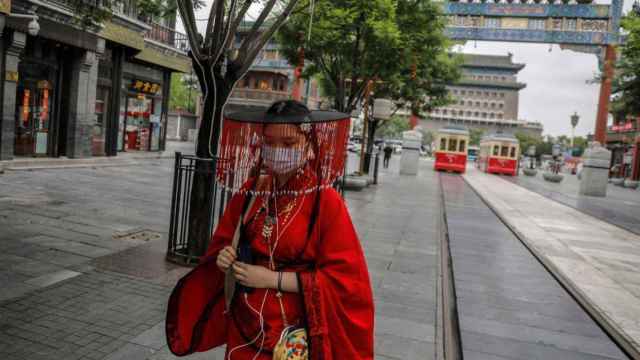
59 32
174 62
122 35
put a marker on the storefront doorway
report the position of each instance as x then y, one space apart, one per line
34 109
139 123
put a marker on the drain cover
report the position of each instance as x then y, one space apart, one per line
136 234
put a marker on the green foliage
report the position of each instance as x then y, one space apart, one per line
355 41
89 14
627 82
528 140
427 137
475 135
426 64
184 92
393 128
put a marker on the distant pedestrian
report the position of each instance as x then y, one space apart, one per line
388 150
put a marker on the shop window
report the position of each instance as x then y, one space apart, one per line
443 144
461 147
453 144
504 151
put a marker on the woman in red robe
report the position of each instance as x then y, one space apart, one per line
301 265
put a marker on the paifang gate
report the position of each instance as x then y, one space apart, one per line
582 26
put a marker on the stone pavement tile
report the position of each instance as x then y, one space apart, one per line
153 338
165 354
588 273
513 349
58 257
396 347
72 247
52 278
405 328
131 352
592 345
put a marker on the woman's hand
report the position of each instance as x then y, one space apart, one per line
226 257
255 276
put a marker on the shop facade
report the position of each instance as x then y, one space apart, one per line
623 140
82 92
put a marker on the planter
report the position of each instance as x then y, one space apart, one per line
617 181
631 184
551 177
530 172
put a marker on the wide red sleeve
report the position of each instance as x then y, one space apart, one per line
337 292
195 315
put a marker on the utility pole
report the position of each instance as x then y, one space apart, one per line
365 127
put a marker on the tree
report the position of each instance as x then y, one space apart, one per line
475 135
427 65
393 128
526 141
184 92
393 48
219 63
626 84
352 42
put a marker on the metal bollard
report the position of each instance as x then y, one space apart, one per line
376 168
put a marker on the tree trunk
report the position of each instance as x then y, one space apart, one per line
204 187
371 134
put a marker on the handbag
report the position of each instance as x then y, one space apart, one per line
292 345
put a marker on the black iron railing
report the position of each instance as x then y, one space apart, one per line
180 249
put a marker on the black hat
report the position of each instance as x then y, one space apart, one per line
287 112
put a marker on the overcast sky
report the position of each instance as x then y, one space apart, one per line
556 81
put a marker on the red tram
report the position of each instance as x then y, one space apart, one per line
499 154
451 151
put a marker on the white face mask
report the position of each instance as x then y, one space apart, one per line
283 160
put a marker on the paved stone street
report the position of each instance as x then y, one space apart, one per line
620 207
83 274
509 306
598 262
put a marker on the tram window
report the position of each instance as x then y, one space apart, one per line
461 146
443 144
504 151
513 152
452 144
496 150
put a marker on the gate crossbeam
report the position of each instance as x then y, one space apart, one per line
579 24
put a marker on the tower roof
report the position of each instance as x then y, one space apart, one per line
491 61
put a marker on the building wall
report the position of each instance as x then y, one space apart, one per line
434 125
486 97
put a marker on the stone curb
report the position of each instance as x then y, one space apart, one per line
610 327
28 165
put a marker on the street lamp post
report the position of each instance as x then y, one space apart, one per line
574 122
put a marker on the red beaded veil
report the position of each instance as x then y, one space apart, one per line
243 146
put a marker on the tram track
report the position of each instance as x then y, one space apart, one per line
450 345
483 270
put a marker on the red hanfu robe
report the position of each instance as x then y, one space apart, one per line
335 302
